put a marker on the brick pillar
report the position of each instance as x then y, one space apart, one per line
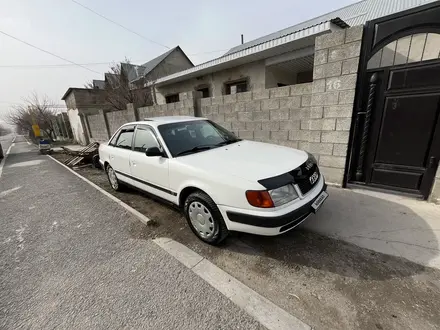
334 83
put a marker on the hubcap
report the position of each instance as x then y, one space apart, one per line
112 178
201 219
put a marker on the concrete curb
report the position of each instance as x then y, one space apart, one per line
263 310
137 214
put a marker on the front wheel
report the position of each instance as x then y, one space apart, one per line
204 218
114 182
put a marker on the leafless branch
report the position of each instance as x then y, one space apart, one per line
34 110
119 92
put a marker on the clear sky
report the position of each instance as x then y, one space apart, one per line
68 30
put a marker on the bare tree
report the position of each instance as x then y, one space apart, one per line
118 90
4 130
34 110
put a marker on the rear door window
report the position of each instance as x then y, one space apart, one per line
125 139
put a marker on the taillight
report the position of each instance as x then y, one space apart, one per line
259 198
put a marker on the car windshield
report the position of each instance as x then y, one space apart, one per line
188 137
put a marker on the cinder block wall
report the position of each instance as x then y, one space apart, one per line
104 124
185 107
98 128
118 118
272 115
334 83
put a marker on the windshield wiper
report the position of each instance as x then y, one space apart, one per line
195 149
228 141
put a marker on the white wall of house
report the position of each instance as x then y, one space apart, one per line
77 129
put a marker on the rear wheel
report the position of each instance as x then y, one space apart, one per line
114 182
204 218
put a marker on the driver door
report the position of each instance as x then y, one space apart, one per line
150 174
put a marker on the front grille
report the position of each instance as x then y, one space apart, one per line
302 176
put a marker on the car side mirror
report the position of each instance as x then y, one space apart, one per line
153 152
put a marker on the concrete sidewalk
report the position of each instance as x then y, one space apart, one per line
391 224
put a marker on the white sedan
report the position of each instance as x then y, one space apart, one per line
220 182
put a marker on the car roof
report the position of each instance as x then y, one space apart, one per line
156 121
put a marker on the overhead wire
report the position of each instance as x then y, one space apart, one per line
136 33
118 24
47 52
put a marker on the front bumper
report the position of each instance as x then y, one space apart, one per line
273 225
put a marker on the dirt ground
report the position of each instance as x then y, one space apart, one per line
326 283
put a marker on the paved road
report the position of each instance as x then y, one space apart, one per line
68 260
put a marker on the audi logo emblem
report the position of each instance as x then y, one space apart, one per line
314 177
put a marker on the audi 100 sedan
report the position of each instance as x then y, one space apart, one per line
220 182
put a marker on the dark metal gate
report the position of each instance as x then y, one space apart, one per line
396 122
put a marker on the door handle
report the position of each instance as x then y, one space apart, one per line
133 163
433 162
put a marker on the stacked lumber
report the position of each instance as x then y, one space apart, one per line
81 156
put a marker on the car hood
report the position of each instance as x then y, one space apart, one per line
248 160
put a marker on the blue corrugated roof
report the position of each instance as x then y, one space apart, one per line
355 14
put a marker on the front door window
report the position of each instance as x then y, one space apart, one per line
144 139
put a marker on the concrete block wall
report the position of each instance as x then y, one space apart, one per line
98 128
272 115
185 107
118 118
334 83
105 123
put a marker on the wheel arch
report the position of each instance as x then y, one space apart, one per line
189 189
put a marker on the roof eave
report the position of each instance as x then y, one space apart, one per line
248 54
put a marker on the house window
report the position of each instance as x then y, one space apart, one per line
304 77
172 98
205 91
236 87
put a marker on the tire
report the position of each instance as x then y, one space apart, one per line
114 182
95 162
204 218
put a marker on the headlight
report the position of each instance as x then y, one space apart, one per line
283 195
